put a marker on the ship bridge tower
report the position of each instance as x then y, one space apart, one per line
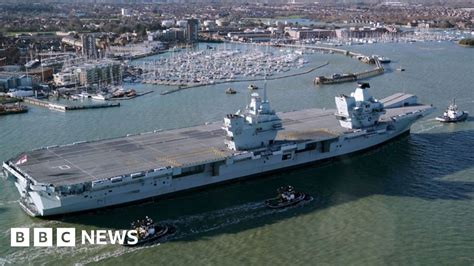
256 127
360 110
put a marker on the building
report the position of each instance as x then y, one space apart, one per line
209 24
168 23
361 32
172 35
89 49
99 73
192 30
301 34
9 56
250 36
14 80
41 74
126 12
181 23
90 73
65 79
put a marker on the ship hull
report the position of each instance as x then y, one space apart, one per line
50 206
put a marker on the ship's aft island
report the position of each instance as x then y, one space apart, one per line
90 175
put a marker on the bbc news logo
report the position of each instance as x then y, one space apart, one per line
66 237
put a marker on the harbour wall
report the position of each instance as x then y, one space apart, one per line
64 108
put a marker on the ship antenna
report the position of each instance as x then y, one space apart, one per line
265 89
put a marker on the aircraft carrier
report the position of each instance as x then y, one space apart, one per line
89 175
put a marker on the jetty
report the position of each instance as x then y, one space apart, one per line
349 77
64 108
137 94
346 77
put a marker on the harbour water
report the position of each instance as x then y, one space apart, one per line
409 202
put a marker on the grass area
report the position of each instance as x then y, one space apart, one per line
13 33
290 17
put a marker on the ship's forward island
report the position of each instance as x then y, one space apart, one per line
96 174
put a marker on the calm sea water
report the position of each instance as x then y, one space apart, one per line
409 202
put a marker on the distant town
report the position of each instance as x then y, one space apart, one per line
73 50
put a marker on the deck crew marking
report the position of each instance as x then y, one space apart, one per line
71 163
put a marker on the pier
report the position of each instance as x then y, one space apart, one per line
64 108
347 77
138 94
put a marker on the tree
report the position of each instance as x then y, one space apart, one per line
469 42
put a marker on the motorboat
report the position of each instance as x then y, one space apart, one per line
253 87
230 91
101 97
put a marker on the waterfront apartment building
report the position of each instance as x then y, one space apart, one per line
89 73
302 34
99 73
192 30
361 32
89 48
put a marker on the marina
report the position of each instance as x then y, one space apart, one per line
209 66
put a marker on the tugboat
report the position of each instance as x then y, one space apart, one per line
253 87
452 114
287 196
148 231
230 91
382 59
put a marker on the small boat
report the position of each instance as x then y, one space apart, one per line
100 97
382 59
130 93
148 232
452 114
401 69
287 197
84 95
252 87
12 109
230 91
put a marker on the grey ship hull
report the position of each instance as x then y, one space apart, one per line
192 158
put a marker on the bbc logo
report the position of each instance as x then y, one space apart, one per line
42 237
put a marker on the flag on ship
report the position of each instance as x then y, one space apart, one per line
23 159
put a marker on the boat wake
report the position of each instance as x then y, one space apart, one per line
186 227
193 225
428 125
9 202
